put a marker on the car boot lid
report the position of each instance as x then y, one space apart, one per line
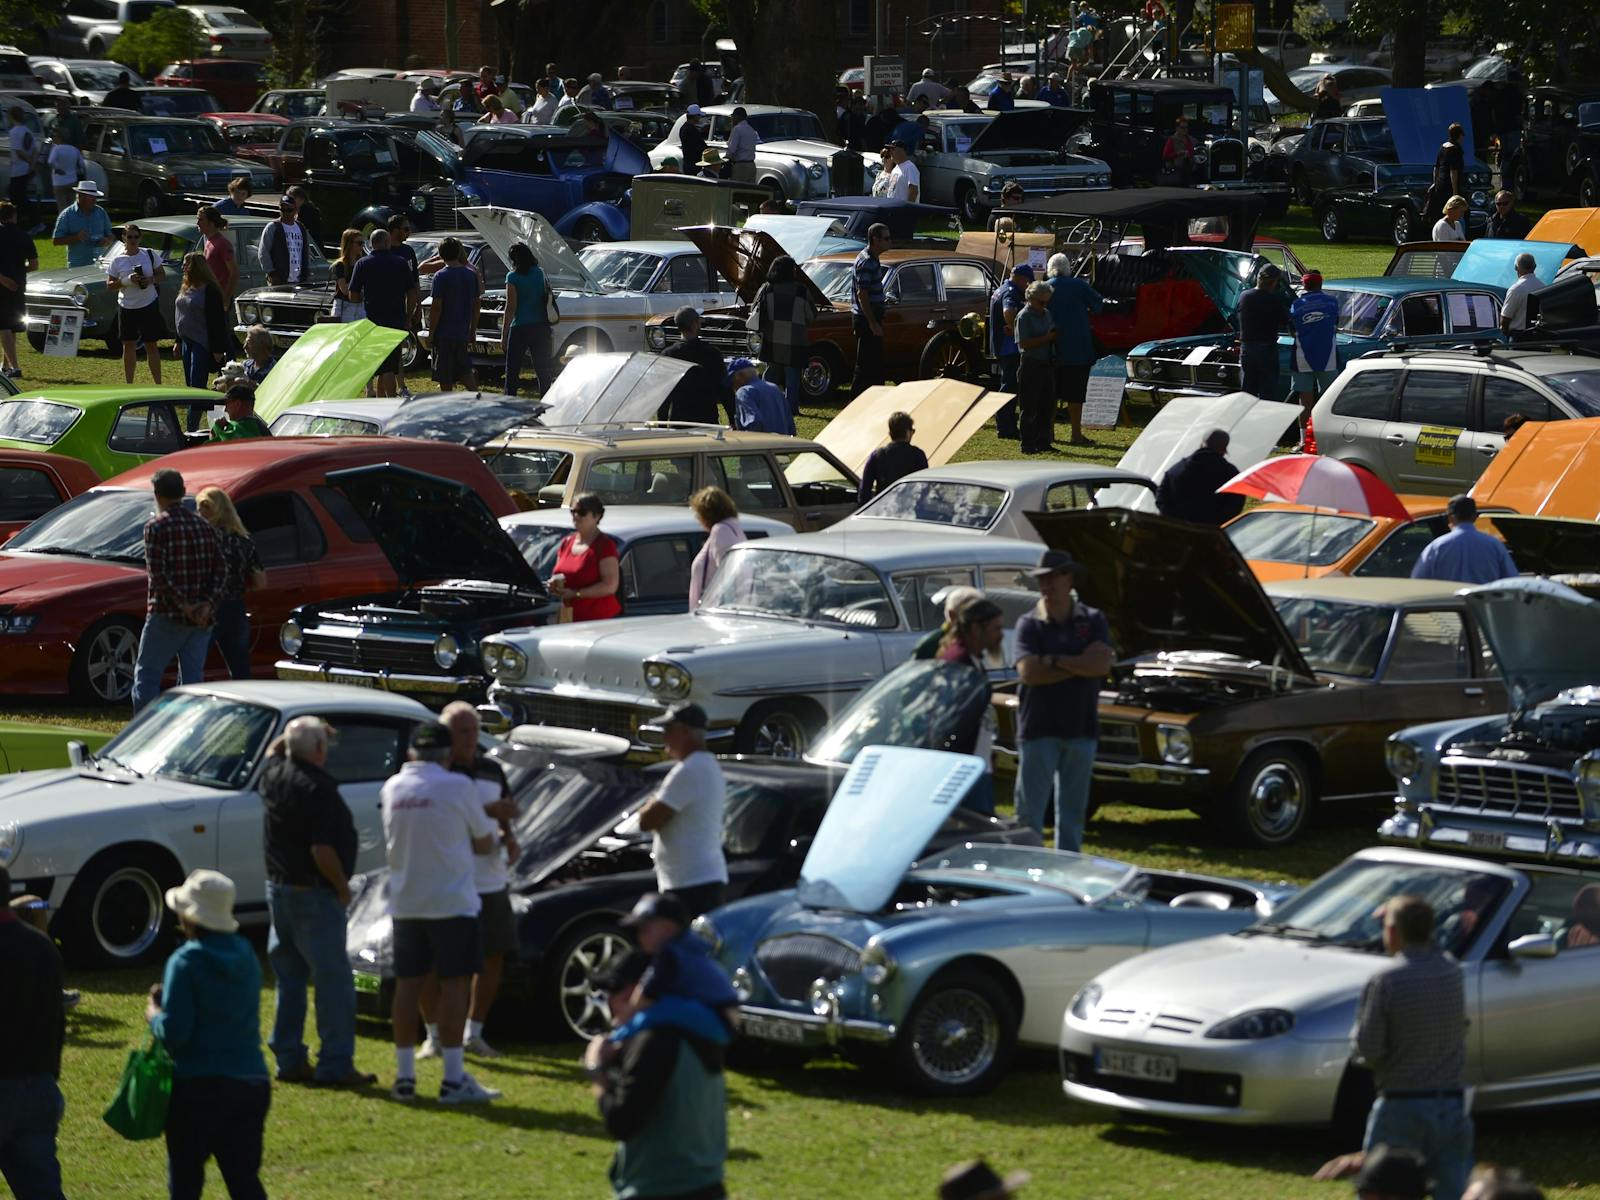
326 362
503 228
1517 617
946 413
744 256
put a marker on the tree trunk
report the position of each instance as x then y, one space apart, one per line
786 51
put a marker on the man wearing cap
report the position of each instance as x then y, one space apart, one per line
1188 490
282 248
310 843
758 405
905 180
1314 318
1263 313
426 99
977 1180
434 825
183 560
32 1032
83 227
928 88
692 137
685 815
1063 652
1002 99
867 307
1465 554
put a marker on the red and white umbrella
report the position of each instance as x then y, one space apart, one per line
1321 482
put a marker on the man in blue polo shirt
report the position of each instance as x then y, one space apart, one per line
384 283
1063 652
1314 316
867 308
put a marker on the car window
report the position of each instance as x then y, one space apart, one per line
1503 398
1013 589
749 479
657 568
641 480
284 529
917 592
1421 316
1565 907
145 429
26 493
688 273
964 282
915 284
363 752
1367 395
1398 553
1435 398
1471 311
1429 645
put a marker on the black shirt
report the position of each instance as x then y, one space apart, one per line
1513 225
33 1023
16 251
1188 490
301 807
1262 315
703 389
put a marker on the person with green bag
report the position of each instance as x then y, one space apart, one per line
207 1013
32 1028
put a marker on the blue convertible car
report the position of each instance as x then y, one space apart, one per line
945 967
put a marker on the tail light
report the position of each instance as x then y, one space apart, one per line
1308 444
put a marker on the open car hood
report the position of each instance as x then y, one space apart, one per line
326 362
1494 260
1517 615
503 227
612 387
946 413
1170 585
465 418
1551 545
1175 432
888 805
432 528
1030 129
743 258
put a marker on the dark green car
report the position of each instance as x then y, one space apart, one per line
165 164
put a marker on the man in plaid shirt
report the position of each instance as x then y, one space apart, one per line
184 559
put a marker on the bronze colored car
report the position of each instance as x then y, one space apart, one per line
1249 705
928 291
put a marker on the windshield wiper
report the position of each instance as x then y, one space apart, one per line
117 762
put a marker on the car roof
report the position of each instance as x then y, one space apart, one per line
288 693
1001 473
1368 590
899 549
642 520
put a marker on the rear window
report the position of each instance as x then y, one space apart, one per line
1316 539
41 422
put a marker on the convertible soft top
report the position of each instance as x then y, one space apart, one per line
1163 212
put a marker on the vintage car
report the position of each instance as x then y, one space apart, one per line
944 965
657 206
1558 143
1253 1028
105 429
164 164
1255 707
789 631
75 579
32 482
795 156
967 158
176 790
234 82
170 238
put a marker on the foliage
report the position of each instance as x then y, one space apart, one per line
167 35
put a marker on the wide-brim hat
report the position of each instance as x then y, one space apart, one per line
206 899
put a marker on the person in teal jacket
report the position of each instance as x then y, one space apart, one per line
207 1013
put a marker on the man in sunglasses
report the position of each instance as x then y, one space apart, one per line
1506 221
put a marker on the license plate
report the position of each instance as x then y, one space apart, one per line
772 1031
367 983
1159 1068
1485 839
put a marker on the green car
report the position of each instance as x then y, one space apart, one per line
28 746
170 238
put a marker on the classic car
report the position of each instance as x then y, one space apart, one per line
657 206
75 579
789 631
1253 1028
170 238
231 32
234 82
966 158
1557 143
160 164
105 429
86 80
795 155
944 965
248 134
1254 707
585 863
292 102
103 839
32 482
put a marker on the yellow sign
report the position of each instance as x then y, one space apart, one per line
1236 27
1436 446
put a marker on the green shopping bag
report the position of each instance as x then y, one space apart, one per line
139 1109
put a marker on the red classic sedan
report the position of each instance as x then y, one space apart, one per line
33 482
72 584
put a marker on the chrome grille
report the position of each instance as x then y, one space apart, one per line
1502 790
1119 741
369 654
572 712
791 964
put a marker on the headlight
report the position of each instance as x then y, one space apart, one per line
1253 1026
18 622
656 337
1479 199
10 842
877 964
754 342
667 679
1174 744
1142 368
744 985
1086 1001
815 170
504 661
1402 758
703 929
248 313
291 638
80 294
446 650
266 314
821 1001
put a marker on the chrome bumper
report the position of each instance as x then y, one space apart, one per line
808 1029
382 681
1162 773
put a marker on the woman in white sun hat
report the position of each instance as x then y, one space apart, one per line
207 1012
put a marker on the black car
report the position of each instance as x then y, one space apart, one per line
1560 139
461 579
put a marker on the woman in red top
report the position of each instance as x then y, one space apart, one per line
586 575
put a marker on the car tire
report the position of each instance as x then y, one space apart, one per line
149 202
1270 800
778 729
1332 226
589 230
823 373
958 1038
948 355
1405 226
973 214
580 1012
102 666
116 914
1301 185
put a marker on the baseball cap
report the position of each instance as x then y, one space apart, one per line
653 905
430 735
1393 1171
690 714
1057 562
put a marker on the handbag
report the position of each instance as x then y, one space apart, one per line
552 310
139 1109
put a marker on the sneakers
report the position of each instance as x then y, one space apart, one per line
479 1048
468 1091
428 1049
404 1089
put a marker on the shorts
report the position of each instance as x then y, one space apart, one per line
141 324
496 927
452 360
1314 382
13 310
450 947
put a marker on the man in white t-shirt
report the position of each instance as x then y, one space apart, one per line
685 814
1514 312
905 181
135 276
434 827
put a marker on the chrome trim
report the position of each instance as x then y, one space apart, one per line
383 681
1164 773
824 1030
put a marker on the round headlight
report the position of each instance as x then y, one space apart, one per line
1175 743
1254 1026
266 313
821 1002
1403 758
1086 1001
744 985
446 651
656 337
80 295
10 842
291 638
754 342
1143 368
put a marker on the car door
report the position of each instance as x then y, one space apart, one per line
821 490
1501 399
1426 447
752 481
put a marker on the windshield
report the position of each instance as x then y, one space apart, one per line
833 278
1360 313
784 125
1087 877
1317 539
152 141
208 740
620 270
41 422
928 704
1345 906
1581 389
539 545
1334 636
104 523
801 587
964 505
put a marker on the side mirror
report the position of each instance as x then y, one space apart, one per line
78 754
1533 945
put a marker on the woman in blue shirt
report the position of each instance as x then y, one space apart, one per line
207 1012
525 327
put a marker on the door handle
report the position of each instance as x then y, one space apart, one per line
1472 691
1395 439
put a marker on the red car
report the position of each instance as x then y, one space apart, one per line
33 482
74 583
234 82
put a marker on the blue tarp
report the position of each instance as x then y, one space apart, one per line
1418 118
1493 260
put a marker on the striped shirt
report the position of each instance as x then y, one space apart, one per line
868 277
1411 1028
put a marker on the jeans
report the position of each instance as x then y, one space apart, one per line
524 340
1005 421
306 946
163 640
1436 1127
1258 369
231 636
869 356
196 363
1061 766
30 1110
1036 391
216 1117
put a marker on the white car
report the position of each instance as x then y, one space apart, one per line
790 631
230 32
176 790
794 155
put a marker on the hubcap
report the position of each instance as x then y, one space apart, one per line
781 735
1277 799
583 1006
956 1037
127 913
110 662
